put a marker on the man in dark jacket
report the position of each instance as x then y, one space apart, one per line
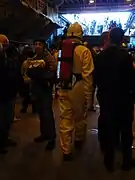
41 69
104 43
9 80
114 77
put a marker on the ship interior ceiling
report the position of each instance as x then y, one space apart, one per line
78 7
72 6
24 22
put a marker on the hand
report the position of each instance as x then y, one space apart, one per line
26 79
134 64
38 63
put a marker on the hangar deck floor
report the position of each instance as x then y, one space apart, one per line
29 161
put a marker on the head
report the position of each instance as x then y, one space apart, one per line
116 36
75 30
104 40
12 51
85 44
53 47
4 42
28 52
39 46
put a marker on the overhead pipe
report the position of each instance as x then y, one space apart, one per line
59 4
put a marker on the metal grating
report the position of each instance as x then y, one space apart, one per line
67 2
37 4
73 6
40 5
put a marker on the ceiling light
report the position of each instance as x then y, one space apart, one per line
91 1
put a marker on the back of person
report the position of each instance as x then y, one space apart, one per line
10 75
114 73
114 78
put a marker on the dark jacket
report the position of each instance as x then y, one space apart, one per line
114 75
10 76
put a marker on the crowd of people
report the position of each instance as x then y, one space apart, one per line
110 70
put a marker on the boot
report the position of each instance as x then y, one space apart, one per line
127 166
11 143
109 160
109 166
51 145
40 139
23 110
79 144
68 157
3 151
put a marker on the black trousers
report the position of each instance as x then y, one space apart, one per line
27 99
6 119
45 112
115 123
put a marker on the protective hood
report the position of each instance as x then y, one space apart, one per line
21 22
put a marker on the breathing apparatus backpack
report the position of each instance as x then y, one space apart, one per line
65 63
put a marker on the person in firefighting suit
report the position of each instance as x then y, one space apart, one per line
41 70
74 103
92 108
115 81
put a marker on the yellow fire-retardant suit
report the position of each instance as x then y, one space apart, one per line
56 55
75 103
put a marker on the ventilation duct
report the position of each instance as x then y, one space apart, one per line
58 3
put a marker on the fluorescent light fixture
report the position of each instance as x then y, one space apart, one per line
91 1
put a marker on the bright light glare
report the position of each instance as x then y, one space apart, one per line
91 1
100 19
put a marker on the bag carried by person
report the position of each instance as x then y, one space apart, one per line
43 70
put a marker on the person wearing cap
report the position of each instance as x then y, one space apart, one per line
41 69
114 79
9 80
